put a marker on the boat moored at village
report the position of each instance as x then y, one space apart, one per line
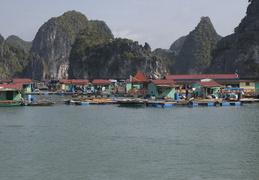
11 94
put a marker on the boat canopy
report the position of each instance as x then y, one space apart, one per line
234 88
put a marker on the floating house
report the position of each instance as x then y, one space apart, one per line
138 84
65 84
26 84
101 85
6 81
11 94
249 85
80 85
222 79
203 89
161 88
187 81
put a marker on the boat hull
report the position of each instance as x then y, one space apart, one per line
10 103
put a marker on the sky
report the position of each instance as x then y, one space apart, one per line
157 22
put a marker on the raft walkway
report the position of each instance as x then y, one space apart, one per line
134 100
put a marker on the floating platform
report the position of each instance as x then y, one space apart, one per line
249 100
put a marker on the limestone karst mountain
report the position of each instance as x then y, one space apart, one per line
196 48
239 52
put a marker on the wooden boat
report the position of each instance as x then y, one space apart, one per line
215 102
132 102
6 103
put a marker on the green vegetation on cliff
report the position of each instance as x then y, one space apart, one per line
13 59
69 23
195 54
16 41
99 55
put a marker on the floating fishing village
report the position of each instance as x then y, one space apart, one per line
137 91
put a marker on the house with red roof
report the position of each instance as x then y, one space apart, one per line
11 94
80 84
138 84
161 88
101 85
205 88
26 83
6 81
223 79
64 84
226 80
199 77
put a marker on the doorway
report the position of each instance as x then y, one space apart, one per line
9 95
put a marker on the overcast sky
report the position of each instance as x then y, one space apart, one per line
157 22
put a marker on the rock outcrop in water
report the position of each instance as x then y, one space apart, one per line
240 51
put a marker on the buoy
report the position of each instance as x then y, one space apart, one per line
217 104
190 103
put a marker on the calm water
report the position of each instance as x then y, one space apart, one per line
114 143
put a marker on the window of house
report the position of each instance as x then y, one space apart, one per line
247 84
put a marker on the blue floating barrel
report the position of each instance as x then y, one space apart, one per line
225 104
72 90
176 96
236 104
33 99
156 105
195 105
210 104
168 105
85 103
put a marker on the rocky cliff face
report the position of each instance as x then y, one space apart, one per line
178 44
52 44
195 49
117 58
240 51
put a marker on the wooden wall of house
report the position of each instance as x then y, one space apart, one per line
247 85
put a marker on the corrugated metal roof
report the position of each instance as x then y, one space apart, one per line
101 82
139 77
209 84
22 81
80 81
163 81
202 76
45 80
11 86
65 81
6 80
